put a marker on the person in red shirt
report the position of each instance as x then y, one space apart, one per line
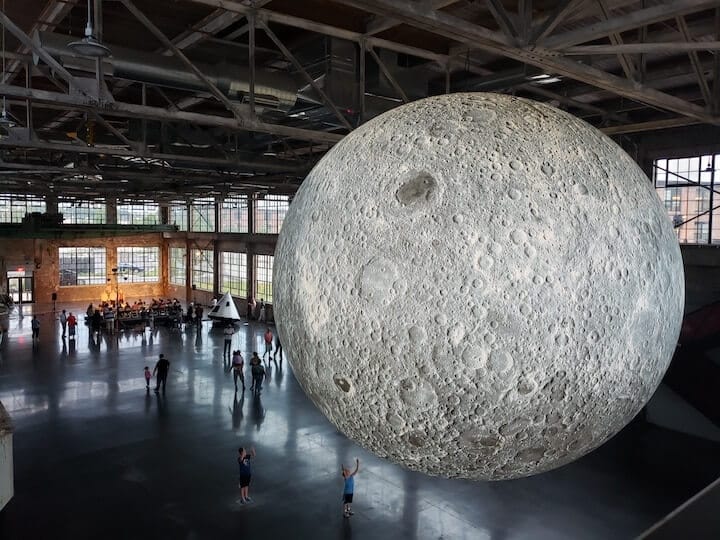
268 344
72 323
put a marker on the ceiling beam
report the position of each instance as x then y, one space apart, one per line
668 9
461 30
695 61
649 126
626 63
380 24
131 110
558 15
638 48
503 18
216 22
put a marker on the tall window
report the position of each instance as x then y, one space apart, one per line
270 213
138 213
76 212
686 187
82 266
263 277
233 273
202 215
234 214
202 269
14 207
179 216
139 264
178 265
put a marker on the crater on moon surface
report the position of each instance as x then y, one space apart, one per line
478 286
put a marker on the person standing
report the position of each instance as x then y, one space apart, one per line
35 325
278 350
261 315
63 322
257 371
349 488
228 333
245 473
238 363
251 308
268 336
162 367
72 324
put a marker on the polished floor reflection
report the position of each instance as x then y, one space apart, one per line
99 457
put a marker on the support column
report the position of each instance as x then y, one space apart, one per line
51 203
188 272
111 211
216 269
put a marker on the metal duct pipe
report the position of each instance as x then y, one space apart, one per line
275 90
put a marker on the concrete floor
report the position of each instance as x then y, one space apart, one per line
98 457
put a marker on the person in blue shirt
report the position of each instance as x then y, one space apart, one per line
245 473
349 488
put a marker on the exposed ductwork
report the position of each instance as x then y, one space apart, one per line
276 90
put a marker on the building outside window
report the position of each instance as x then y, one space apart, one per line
263 277
233 273
234 216
82 266
202 269
178 215
202 215
139 264
685 185
270 213
178 265
138 213
14 207
77 212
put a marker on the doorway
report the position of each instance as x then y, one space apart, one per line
20 287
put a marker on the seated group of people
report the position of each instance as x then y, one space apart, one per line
138 310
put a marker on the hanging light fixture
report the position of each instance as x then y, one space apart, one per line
89 46
5 121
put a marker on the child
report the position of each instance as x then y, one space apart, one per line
245 473
148 376
349 488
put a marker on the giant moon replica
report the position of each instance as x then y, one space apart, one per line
478 286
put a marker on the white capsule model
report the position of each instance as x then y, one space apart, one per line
478 286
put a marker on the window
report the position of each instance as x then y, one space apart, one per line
263 277
202 215
270 213
77 212
139 264
178 215
234 214
233 273
82 266
178 266
202 269
672 199
686 186
13 208
138 213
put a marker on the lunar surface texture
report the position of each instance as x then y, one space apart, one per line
478 286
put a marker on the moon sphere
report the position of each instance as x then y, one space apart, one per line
478 286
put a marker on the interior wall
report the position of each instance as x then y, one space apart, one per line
41 256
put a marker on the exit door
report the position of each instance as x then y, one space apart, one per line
20 289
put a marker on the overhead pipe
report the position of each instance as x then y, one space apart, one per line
275 90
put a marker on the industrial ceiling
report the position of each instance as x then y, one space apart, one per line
202 97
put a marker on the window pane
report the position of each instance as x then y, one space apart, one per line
202 215
270 213
233 276
139 264
76 212
138 213
202 269
263 277
178 214
178 266
82 266
14 207
234 214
